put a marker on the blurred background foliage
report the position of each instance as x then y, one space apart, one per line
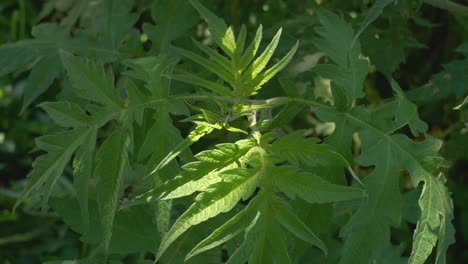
423 47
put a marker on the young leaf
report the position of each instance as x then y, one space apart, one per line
261 61
251 51
266 76
200 131
200 174
195 80
208 64
230 229
222 197
214 55
222 35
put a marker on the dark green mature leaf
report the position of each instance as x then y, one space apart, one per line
349 71
173 19
312 188
66 114
293 224
48 167
43 52
113 22
373 14
213 67
110 162
83 172
133 230
44 72
195 80
390 154
91 80
450 82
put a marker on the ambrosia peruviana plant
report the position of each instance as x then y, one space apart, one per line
182 150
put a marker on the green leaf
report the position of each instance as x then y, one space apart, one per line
230 229
434 224
350 71
222 35
381 210
44 72
83 172
312 188
335 37
240 42
251 51
350 80
48 167
208 64
407 112
200 174
261 61
287 113
264 77
195 80
220 198
293 224
173 19
200 131
66 114
215 56
390 154
91 80
449 82
110 162
373 14
114 21
242 254
133 230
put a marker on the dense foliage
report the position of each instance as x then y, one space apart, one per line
287 132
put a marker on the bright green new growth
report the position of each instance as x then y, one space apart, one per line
241 70
269 192
253 168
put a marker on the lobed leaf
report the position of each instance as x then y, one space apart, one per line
312 188
66 114
110 162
